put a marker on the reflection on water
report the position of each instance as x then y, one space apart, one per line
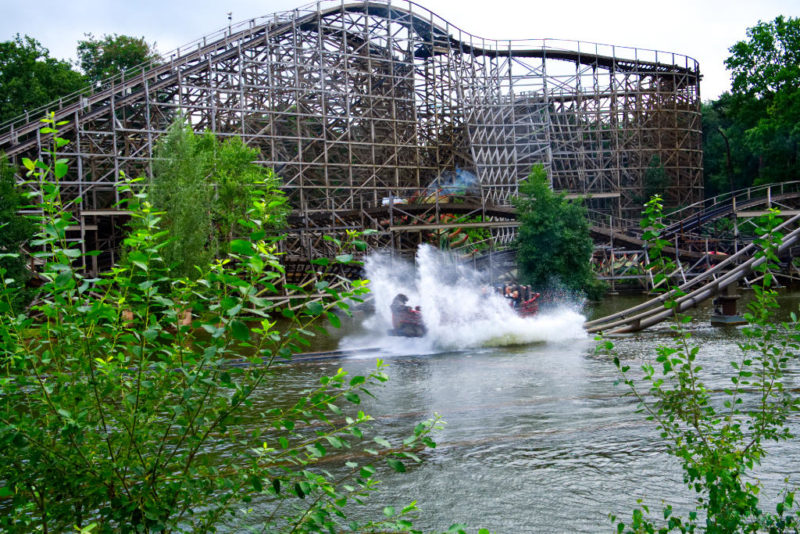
538 437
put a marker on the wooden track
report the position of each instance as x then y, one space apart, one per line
699 289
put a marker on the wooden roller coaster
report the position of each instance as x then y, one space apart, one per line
360 106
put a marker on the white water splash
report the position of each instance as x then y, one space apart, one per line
460 311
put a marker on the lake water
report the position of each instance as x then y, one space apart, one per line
538 436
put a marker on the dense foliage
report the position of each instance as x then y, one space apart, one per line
554 246
117 390
113 54
30 78
15 231
203 186
751 135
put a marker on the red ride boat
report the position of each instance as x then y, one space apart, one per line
521 298
529 307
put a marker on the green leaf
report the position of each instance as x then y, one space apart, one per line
356 380
63 278
335 442
383 442
397 465
314 308
321 285
150 334
239 330
388 511
334 320
228 302
60 170
240 246
367 471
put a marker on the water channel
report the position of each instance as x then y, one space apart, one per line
538 436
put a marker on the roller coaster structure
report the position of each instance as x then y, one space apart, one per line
359 107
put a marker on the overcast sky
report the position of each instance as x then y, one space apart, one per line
702 29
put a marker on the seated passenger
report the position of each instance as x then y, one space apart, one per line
399 303
515 298
399 309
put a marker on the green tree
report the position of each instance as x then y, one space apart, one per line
102 58
765 74
30 78
729 162
553 242
769 61
203 185
15 231
233 173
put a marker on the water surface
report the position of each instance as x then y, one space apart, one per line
538 436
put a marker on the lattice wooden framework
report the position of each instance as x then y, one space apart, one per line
357 105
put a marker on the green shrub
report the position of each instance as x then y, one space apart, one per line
114 390
719 439
203 186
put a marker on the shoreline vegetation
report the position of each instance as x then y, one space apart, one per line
105 416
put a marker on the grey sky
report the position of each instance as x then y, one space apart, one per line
702 29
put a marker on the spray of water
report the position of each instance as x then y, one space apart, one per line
459 309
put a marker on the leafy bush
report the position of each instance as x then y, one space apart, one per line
115 390
719 439
203 188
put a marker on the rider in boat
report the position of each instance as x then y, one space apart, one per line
399 309
406 321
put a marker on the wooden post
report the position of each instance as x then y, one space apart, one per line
725 313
